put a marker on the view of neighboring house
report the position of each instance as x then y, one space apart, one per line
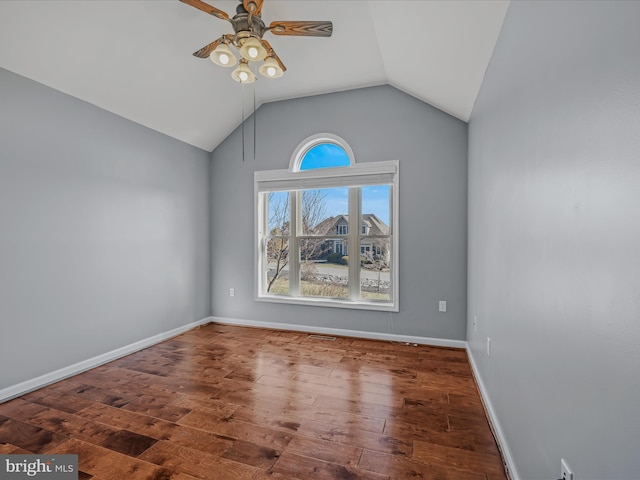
337 228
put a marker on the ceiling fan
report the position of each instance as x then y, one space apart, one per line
247 38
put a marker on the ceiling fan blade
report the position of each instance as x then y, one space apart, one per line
273 53
302 29
254 7
205 51
205 7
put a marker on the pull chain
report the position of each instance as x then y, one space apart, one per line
242 120
254 121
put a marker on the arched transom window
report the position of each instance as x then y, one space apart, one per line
322 151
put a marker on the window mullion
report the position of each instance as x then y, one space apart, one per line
354 243
263 263
294 243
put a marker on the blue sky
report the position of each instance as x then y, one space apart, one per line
325 155
375 199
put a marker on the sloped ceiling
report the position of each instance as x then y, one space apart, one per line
133 58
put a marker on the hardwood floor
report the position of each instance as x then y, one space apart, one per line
224 402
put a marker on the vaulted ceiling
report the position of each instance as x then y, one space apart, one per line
133 58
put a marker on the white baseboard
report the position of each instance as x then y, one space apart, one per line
28 386
439 342
512 472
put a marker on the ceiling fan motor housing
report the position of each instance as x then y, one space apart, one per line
241 25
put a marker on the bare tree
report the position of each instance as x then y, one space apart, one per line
377 259
313 208
313 212
278 244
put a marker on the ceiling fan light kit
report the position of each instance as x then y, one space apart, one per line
247 39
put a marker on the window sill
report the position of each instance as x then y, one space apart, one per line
329 302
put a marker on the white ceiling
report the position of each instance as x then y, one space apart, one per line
133 58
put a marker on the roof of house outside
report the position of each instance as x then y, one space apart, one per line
374 224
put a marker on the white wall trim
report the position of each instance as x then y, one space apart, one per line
512 472
439 342
29 385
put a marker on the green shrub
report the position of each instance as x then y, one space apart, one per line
337 259
333 258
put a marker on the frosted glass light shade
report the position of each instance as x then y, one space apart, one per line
243 73
253 50
223 56
270 68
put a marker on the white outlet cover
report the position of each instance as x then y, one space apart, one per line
442 305
488 346
565 471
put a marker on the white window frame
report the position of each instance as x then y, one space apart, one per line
294 180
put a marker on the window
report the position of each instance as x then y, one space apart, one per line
310 217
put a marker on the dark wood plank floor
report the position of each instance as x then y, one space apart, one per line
225 402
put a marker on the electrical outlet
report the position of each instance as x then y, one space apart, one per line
475 323
488 346
565 471
442 305
232 292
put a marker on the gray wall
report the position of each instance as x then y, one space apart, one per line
554 237
104 231
379 123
